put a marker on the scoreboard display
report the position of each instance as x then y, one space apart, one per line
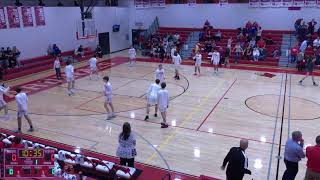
28 163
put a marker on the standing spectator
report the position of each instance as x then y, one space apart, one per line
127 146
303 46
9 55
229 43
256 54
294 54
303 30
4 61
238 52
99 51
259 34
50 50
248 26
227 57
309 52
252 42
292 155
237 162
218 36
311 26
57 67
79 51
297 24
310 66
56 50
16 54
316 43
162 53
313 164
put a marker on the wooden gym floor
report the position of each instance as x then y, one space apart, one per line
208 115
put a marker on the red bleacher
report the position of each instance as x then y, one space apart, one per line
42 63
183 32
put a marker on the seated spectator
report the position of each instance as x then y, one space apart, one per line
303 46
259 34
318 32
9 55
238 52
4 60
263 54
176 37
99 51
276 53
269 40
17 143
79 51
16 54
241 39
208 46
2 144
294 54
313 163
218 36
261 44
206 25
208 35
55 50
252 42
300 61
316 42
248 26
311 26
256 54
248 53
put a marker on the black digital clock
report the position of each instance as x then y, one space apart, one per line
31 153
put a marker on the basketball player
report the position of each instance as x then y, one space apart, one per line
163 104
309 66
197 65
174 49
108 98
176 58
3 105
215 59
132 55
93 67
159 74
152 99
69 71
22 109
57 68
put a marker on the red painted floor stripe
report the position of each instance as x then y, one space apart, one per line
214 107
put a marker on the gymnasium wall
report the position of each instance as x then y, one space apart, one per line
229 16
60 28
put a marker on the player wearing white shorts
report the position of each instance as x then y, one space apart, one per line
159 74
163 104
69 71
215 59
198 61
132 55
22 109
152 98
3 105
107 90
176 60
93 67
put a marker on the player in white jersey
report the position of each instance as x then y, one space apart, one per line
93 67
198 61
107 91
215 59
69 72
176 60
22 109
163 104
174 49
3 105
57 68
159 74
152 99
132 55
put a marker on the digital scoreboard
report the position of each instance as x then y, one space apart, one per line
28 163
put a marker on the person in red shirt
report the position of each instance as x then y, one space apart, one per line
294 54
313 164
309 52
17 143
248 26
261 44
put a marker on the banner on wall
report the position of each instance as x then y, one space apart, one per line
276 3
3 21
138 3
157 3
265 3
13 17
223 2
298 3
39 15
27 17
310 3
287 3
318 3
254 3
192 3
146 3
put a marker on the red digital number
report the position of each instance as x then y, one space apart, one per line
14 157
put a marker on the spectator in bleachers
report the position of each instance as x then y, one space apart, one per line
311 26
229 43
248 53
276 52
16 54
248 26
269 40
259 34
317 54
162 53
50 50
55 50
10 57
176 37
218 36
79 51
297 24
300 61
309 52
263 54
316 42
2 144
313 164
256 54
303 46
318 32
227 54
252 42
99 51
241 39
238 52
17 143
4 61
294 54
208 46
302 31
127 146
206 25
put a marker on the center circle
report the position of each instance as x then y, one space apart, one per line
300 108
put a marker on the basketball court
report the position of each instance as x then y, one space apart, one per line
207 115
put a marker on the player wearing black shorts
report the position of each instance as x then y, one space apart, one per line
309 67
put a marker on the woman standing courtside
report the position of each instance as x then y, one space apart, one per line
127 146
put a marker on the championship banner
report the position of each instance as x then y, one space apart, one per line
138 3
265 3
298 3
27 18
13 17
146 4
162 3
192 3
287 3
318 3
254 3
223 2
310 3
276 3
157 3
3 21
39 14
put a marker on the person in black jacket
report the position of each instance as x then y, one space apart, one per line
237 162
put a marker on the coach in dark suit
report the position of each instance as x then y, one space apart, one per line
237 162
